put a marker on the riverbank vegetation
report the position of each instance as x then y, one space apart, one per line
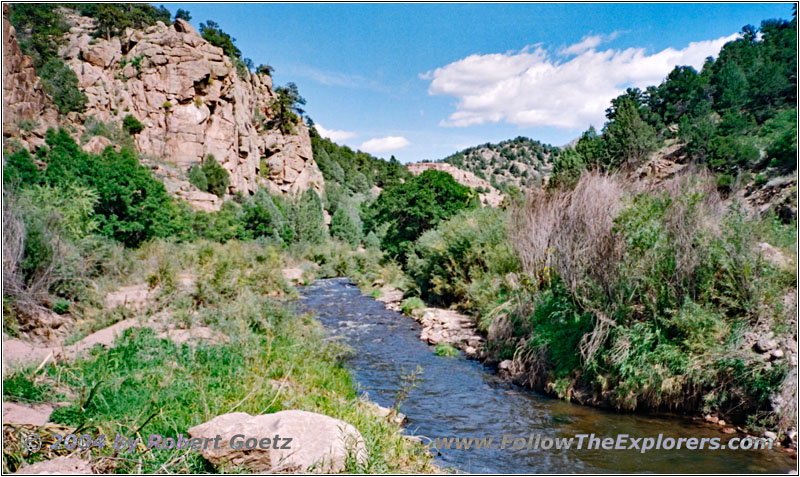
214 334
651 294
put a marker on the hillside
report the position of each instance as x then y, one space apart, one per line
185 98
520 162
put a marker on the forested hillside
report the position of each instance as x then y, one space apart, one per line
737 115
519 162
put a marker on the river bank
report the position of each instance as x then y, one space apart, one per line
454 396
447 326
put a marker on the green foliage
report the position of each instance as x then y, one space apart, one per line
724 183
464 260
285 110
567 169
198 178
417 205
217 177
737 106
129 204
39 28
132 125
212 33
512 162
20 386
61 83
346 226
363 170
20 169
114 18
445 349
262 218
372 240
309 221
628 138
183 15
410 304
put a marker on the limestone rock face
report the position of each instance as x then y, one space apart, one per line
492 198
27 110
319 443
187 94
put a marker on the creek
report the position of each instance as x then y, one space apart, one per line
458 397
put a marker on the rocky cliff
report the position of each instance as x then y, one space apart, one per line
189 97
491 197
27 109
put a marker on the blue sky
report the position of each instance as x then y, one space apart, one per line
421 81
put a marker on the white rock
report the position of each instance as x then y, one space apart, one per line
320 444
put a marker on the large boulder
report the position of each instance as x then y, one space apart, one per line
319 443
63 465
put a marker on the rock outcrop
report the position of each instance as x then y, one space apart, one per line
319 443
27 109
190 98
192 102
492 197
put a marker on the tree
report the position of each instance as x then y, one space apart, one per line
265 70
344 227
309 219
417 205
211 32
629 139
285 109
567 169
217 177
262 218
132 125
183 15
61 83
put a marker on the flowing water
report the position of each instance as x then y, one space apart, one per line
457 397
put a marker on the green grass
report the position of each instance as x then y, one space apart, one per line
445 349
410 304
149 385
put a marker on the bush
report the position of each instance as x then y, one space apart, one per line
262 218
132 125
217 177
724 183
131 205
410 304
641 297
198 178
309 221
464 260
61 83
417 205
346 226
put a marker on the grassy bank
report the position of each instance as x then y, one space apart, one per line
261 358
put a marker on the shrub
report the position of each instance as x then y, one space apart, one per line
417 205
724 183
217 177
445 349
464 260
61 83
346 226
372 240
262 218
309 221
410 304
198 178
132 125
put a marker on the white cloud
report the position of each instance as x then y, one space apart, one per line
384 144
334 134
530 88
587 43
